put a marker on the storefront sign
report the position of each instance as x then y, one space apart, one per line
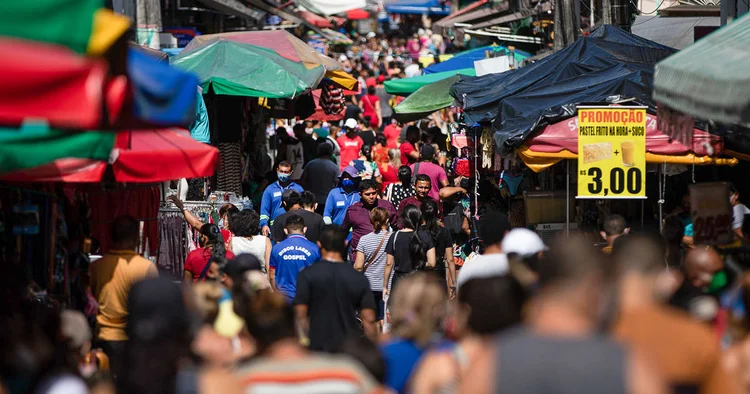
711 213
611 152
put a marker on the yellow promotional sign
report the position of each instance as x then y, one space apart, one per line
611 152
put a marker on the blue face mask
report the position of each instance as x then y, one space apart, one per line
283 177
347 183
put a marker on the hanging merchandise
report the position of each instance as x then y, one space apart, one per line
229 177
488 145
332 100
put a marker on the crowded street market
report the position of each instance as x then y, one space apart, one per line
374 196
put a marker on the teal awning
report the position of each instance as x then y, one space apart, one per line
407 86
709 79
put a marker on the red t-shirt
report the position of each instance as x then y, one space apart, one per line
390 175
350 148
392 132
196 261
406 148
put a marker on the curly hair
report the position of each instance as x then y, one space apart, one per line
245 223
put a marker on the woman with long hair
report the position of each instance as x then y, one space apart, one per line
366 168
389 169
197 266
403 189
445 268
245 226
409 250
370 105
417 310
380 151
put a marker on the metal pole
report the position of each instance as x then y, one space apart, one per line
591 17
661 200
567 198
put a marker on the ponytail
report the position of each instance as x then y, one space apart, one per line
215 240
411 217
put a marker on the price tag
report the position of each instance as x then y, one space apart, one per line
611 152
711 213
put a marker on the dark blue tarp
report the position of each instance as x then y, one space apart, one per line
608 65
466 59
433 7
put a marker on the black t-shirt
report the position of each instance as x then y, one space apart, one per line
352 111
333 293
398 246
313 222
442 241
368 136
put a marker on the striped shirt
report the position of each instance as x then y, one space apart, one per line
315 374
368 245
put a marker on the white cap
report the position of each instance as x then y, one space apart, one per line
484 266
389 58
350 123
371 34
522 241
343 58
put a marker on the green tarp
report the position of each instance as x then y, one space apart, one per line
33 146
407 86
426 100
64 22
238 69
709 79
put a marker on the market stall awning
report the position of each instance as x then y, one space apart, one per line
315 19
425 100
407 86
466 59
431 7
539 161
354 15
139 156
470 10
331 7
674 32
235 8
710 78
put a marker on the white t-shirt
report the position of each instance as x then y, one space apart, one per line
484 266
738 215
412 70
255 246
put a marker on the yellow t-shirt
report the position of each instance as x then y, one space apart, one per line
111 277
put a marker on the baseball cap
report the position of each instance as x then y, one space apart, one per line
523 241
343 58
381 78
371 34
351 171
370 82
427 151
350 123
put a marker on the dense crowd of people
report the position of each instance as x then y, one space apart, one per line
369 268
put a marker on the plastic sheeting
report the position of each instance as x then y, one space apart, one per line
425 100
466 59
608 66
330 7
431 7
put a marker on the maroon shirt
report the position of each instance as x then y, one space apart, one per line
357 219
413 200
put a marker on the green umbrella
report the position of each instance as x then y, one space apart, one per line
407 86
241 69
36 145
426 100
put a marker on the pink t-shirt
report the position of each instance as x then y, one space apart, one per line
350 148
436 174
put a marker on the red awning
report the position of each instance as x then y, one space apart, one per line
140 156
357 14
316 19
50 82
564 136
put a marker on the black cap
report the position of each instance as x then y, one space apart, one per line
427 151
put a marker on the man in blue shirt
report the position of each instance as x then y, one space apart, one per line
340 198
270 204
291 256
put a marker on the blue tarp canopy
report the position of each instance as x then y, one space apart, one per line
606 66
432 7
466 59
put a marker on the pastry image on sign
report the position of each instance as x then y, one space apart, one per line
597 152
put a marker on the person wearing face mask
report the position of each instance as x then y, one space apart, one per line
684 350
342 197
270 205
700 267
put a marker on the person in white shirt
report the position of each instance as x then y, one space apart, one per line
493 226
739 211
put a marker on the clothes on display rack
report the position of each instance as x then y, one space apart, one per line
229 177
173 243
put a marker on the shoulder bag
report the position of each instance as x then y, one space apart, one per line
374 255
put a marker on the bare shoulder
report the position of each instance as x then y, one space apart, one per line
218 381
